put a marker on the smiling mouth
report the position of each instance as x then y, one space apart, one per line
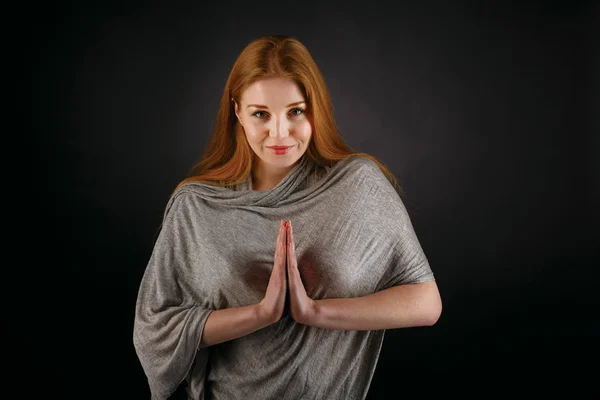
279 150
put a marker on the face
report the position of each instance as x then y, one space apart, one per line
273 113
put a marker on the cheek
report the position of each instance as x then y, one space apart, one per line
252 132
303 131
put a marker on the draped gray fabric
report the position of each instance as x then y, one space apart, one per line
215 250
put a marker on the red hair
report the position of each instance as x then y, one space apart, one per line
228 158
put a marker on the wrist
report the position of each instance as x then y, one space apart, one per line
311 313
262 314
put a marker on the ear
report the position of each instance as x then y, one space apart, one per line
237 110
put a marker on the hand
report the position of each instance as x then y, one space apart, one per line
272 305
302 307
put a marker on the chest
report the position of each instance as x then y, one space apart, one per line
338 256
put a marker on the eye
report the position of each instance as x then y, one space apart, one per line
258 114
294 111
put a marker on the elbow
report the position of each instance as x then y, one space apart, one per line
433 310
430 307
434 313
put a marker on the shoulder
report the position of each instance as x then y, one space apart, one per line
359 161
183 201
363 166
371 175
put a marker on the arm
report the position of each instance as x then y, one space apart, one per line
402 306
235 322
232 323
170 316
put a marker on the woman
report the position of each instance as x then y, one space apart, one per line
236 302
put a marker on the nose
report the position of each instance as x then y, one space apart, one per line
279 127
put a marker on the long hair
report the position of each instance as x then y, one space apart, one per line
228 158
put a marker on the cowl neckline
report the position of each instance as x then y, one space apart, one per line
272 197
215 250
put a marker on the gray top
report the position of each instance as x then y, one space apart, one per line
215 250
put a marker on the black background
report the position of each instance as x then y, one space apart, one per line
487 112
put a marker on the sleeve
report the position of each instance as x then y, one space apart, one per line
407 262
169 315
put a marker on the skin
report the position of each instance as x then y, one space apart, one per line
273 113
277 122
403 306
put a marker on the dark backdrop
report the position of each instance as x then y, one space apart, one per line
483 110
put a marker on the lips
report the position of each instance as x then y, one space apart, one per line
279 147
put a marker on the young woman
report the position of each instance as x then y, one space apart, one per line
237 303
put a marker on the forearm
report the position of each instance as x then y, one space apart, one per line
232 323
401 306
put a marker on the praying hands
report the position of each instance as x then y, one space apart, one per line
402 306
302 307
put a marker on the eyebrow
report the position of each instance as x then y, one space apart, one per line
261 106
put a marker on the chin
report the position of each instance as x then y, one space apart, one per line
281 162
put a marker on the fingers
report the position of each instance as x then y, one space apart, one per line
281 230
295 281
280 250
291 247
280 236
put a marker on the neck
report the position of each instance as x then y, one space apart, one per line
267 177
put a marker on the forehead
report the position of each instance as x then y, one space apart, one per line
273 92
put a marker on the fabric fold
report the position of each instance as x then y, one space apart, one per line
215 250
